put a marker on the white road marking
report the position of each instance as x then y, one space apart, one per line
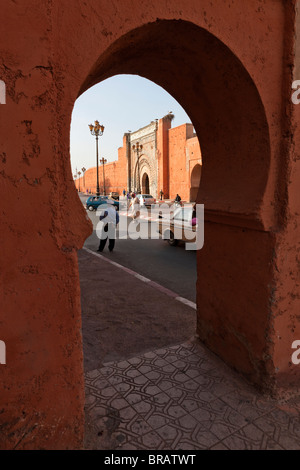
144 279
187 302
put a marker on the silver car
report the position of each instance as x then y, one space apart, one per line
146 199
179 226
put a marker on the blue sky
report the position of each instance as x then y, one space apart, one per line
120 103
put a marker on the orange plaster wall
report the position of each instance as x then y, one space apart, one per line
115 176
178 151
42 389
163 157
184 154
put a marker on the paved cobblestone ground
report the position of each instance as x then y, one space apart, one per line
171 398
123 316
183 398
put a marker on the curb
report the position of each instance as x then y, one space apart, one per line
153 284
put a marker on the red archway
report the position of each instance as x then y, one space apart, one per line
220 93
235 172
215 96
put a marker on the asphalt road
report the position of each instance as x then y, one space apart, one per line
172 267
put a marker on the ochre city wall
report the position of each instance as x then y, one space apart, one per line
231 67
115 174
180 154
184 154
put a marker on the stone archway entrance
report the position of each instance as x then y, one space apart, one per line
227 96
145 184
235 171
145 175
195 182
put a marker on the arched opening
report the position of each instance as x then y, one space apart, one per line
243 293
228 115
195 182
229 118
215 96
153 259
145 184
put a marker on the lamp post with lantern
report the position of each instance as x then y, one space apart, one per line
75 178
103 161
97 130
79 173
83 172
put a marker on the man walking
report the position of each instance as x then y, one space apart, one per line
110 219
135 207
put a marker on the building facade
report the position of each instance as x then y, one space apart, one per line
153 158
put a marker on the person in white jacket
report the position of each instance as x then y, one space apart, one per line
110 219
135 207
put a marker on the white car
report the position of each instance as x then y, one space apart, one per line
180 226
146 199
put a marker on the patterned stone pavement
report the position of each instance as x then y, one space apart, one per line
183 398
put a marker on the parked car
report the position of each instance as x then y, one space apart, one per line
146 199
93 202
179 226
114 195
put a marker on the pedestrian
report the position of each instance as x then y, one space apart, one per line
124 192
194 220
161 194
135 207
110 219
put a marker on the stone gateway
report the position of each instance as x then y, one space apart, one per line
216 60
154 158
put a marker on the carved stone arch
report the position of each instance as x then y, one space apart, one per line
145 165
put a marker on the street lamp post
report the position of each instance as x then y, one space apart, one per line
103 161
75 177
79 173
138 148
97 130
83 172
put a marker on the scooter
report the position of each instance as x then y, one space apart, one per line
177 204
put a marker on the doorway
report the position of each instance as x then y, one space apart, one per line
145 184
195 182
